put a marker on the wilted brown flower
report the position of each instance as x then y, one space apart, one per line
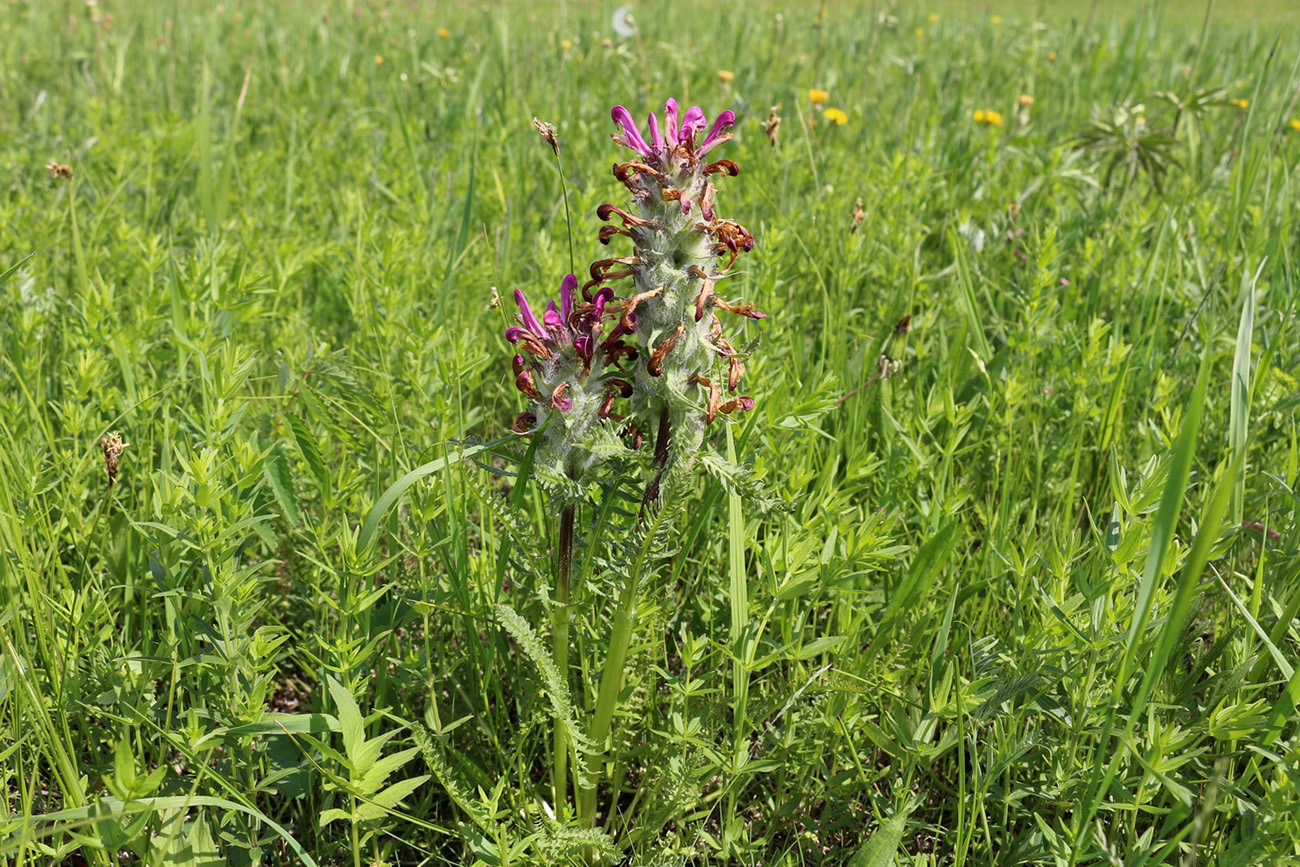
772 126
547 132
59 170
113 446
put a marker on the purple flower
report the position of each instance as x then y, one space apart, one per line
561 327
662 145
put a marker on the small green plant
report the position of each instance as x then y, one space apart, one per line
359 774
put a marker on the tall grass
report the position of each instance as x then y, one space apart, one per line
1035 596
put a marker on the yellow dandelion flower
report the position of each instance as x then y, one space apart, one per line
726 76
1295 124
1051 56
835 115
987 116
1026 101
978 116
996 19
566 44
934 16
818 96
379 59
443 32
1241 103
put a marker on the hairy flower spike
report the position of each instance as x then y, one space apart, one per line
681 249
568 371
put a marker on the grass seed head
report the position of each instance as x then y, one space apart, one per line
113 445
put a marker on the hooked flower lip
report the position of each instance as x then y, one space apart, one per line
663 143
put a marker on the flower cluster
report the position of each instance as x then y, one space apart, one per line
682 250
568 369
667 351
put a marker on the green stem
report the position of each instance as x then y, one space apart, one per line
611 683
560 634
356 840
620 638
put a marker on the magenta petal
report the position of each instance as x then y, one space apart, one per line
631 136
566 295
514 333
746 403
692 122
564 404
656 140
552 316
526 315
721 125
583 344
670 114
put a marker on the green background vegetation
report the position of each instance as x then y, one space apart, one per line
1012 615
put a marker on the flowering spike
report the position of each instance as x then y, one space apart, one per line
568 371
681 248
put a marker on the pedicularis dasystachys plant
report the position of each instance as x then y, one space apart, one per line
681 252
686 371
661 348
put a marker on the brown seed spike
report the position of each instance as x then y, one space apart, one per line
113 446
547 132
772 126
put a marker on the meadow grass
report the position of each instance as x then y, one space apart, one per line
1033 596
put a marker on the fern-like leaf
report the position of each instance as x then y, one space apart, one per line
557 690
